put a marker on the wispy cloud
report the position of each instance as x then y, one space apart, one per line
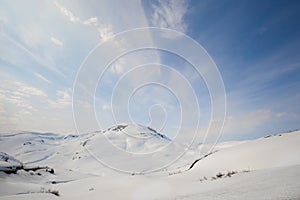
170 14
41 77
18 95
105 30
57 41
31 52
36 57
29 90
63 99
26 107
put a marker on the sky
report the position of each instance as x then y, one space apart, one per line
46 48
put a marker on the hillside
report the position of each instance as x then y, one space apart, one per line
265 168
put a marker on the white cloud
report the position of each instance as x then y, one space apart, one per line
41 77
170 14
118 67
67 13
29 90
16 100
105 30
17 94
91 21
64 99
281 114
57 41
25 107
64 96
286 115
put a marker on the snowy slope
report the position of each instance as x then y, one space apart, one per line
266 168
132 148
268 184
275 151
9 163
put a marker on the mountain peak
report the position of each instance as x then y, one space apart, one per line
137 131
134 138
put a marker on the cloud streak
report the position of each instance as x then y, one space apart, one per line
57 41
105 30
39 59
41 77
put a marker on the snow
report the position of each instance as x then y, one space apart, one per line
277 151
133 138
6 160
267 184
265 168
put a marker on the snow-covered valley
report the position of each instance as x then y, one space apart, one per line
52 166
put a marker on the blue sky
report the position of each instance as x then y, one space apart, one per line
255 45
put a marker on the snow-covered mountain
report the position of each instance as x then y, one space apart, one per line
144 147
133 138
49 165
132 148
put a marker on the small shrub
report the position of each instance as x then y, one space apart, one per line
203 179
219 175
50 170
229 174
55 192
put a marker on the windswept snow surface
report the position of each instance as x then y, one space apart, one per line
265 168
